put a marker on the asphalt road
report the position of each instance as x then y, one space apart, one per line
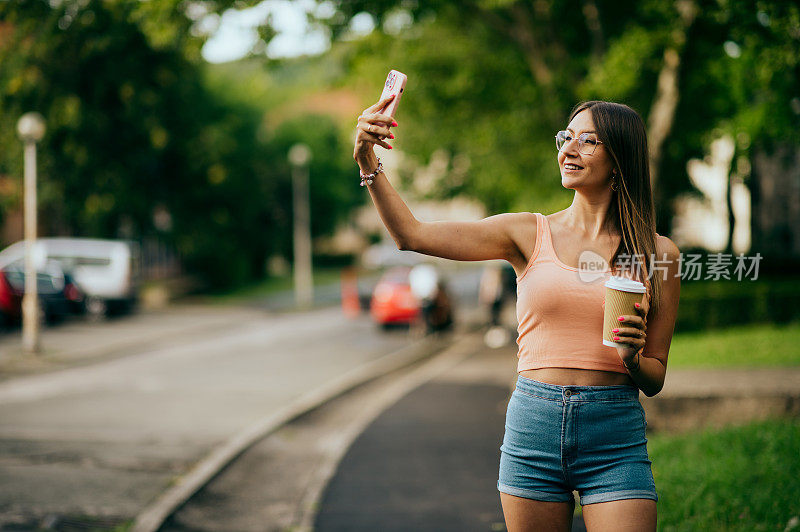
105 439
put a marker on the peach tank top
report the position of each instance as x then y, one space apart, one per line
560 313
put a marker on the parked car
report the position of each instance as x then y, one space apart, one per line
396 301
106 271
393 302
76 299
53 303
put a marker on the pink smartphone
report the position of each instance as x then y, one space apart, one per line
395 83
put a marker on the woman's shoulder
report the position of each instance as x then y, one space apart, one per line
521 228
524 215
665 247
520 220
524 222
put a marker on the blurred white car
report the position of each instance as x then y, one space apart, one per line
106 270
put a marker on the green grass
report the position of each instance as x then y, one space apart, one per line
742 478
741 346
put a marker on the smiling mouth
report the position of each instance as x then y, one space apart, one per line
570 166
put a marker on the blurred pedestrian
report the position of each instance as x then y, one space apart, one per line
428 287
491 292
574 421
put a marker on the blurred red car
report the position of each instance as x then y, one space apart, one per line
418 295
393 302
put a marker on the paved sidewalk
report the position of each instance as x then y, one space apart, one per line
694 399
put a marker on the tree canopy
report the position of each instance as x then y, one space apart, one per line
136 126
491 81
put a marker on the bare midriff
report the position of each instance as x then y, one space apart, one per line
577 377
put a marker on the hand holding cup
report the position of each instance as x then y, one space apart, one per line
625 319
631 333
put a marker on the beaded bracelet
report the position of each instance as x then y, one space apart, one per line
366 179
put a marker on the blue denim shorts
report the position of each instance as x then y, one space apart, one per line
589 439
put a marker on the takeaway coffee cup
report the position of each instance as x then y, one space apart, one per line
621 294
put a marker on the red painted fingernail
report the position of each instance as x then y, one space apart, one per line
389 147
637 305
394 124
616 338
621 318
392 136
615 330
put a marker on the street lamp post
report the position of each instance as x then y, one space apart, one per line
299 157
31 129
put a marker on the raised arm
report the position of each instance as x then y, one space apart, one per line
503 236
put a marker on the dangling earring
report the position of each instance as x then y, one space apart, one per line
614 181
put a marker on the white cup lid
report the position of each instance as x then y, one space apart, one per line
625 284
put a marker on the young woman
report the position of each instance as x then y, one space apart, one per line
574 421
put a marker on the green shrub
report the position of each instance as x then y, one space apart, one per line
718 304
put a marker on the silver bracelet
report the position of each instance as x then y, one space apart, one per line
366 179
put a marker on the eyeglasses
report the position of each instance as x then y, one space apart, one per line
587 142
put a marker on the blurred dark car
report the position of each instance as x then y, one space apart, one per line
394 302
75 296
107 271
51 288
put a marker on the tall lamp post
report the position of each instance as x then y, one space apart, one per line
31 128
299 157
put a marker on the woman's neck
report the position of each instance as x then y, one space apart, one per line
592 223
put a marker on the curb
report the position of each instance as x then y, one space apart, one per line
459 350
152 517
676 415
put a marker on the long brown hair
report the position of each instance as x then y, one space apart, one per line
632 213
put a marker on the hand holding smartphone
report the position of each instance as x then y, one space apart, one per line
395 84
371 129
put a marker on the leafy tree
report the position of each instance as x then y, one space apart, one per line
130 128
280 91
490 81
136 125
106 128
